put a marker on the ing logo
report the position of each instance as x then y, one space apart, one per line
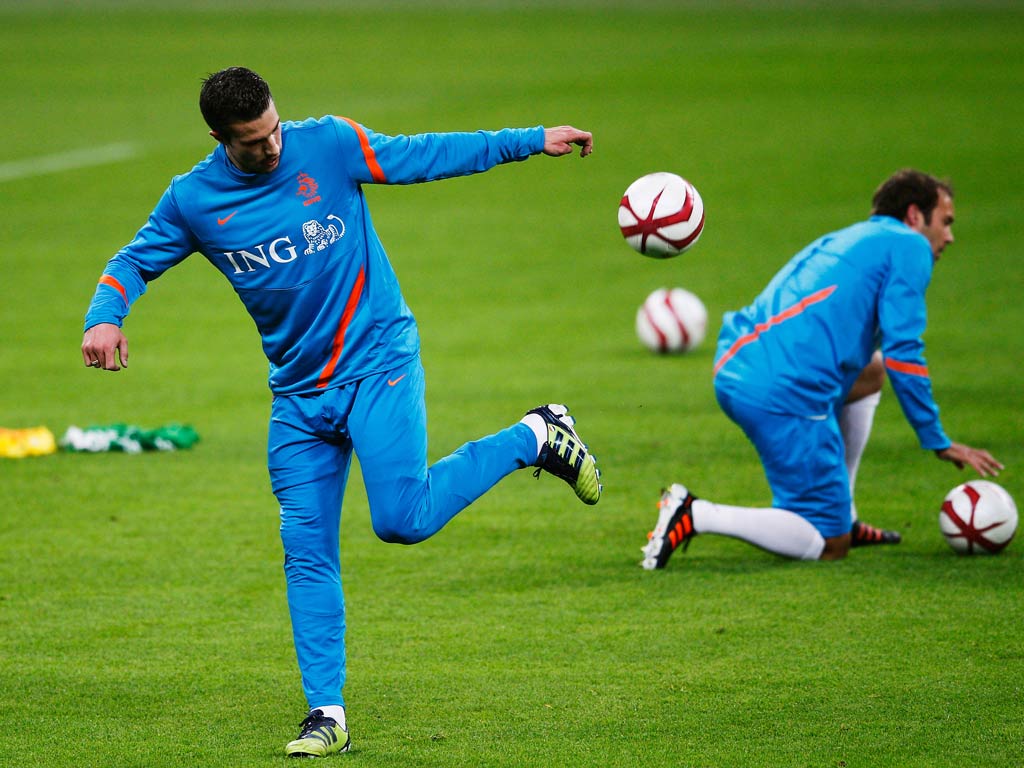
319 237
307 189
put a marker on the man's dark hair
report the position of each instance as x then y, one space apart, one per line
233 95
905 188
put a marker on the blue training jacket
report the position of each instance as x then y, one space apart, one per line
801 344
298 245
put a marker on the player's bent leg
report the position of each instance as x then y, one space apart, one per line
803 460
411 509
410 502
773 529
681 516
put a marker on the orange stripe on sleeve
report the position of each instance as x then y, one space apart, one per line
113 283
912 369
339 336
368 154
783 316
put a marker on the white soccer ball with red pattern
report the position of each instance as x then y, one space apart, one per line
661 215
671 321
978 518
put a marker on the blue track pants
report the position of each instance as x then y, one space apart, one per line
311 439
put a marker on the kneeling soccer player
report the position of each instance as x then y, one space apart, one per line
798 370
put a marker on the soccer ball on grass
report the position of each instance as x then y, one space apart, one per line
671 321
978 518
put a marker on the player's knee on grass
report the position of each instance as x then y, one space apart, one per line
836 547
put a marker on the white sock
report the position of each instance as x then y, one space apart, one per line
336 711
775 530
855 420
539 427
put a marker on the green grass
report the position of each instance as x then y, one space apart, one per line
142 611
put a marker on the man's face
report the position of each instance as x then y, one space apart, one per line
255 146
939 227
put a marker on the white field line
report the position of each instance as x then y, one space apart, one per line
66 161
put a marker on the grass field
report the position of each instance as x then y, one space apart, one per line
142 611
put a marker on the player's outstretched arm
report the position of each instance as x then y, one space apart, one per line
559 141
980 460
102 345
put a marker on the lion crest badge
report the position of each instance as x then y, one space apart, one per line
320 237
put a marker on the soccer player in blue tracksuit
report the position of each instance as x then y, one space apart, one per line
279 209
799 371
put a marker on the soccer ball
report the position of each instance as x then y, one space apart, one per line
671 321
978 517
661 215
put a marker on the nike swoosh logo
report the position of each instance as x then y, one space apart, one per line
392 382
226 219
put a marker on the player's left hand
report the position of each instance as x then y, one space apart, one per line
559 141
964 455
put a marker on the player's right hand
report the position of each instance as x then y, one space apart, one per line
103 346
983 462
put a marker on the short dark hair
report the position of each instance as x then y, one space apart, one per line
905 188
233 95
